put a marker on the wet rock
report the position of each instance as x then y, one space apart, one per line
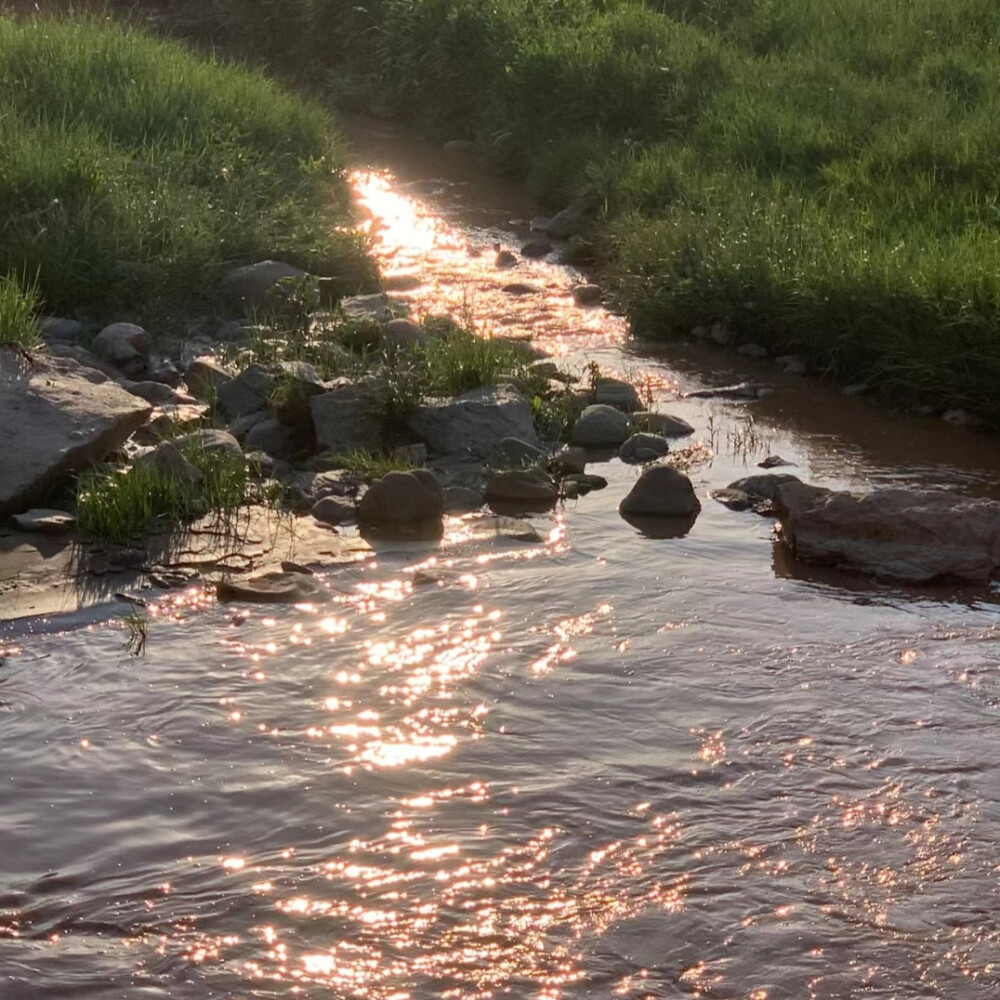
56 417
504 259
272 437
914 536
521 485
586 295
402 498
791 364
734 499
763 487
661 423
249 392
477 421
661 492
515 453
773 462
643 447
585 482
156 393
211 440
402 282
618 393
568 460
534 249
56 328
273 588
45 521
344 418
742 390
167 460
334 510
123 345
752 351
377 308
600 425
405 333
521 288
571 221
253 285
461 499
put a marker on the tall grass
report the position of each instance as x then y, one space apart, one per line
17 314
132 172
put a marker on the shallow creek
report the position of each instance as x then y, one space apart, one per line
604 765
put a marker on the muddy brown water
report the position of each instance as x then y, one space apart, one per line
602 765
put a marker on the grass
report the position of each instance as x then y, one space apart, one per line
17 314
366 465
133 172
122 505
819 175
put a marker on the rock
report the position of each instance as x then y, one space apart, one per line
534 249
413 454
700 333
600 425
512 452
402 498
405 333
571 221
539 224
568 460
45 521
242 426
476 421
377 308
720 334
791 364
249 392
55 328
253 285
204 377
211 440
167 460
156 393
643 448
586 295
584 482
618 393
402 282
461 499
234 331
914 536
661 423
752 351
165 372
273 588
773 462
763 487
273 438
344 418
734 499
661 492
742 390
521 288
521 485
334 510
334 483
56 417
961 418
124 345
82 356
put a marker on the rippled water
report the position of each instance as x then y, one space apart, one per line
598 765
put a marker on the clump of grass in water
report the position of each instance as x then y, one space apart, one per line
366 465
137 623
461 361
17 314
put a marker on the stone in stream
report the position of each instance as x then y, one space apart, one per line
254 284
661 492
735 499
586 295
56 417
477 421
273 588
344 418
912 536
249 392
534 249
742 390
761 486
618 393
568 460
515 453
521 288
791 364
461 499
643 448
334 510
123 345
773 462
523 485
400 498
599 426
45 521
585 482
661 423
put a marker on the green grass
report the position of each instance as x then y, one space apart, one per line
124 504
133 172
366 465
17 314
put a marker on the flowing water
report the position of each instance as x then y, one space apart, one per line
602 765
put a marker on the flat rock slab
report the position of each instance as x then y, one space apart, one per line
279 587
45 521
56 417
477 421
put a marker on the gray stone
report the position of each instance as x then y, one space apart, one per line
961 418
585 482
586 295
402 498
477 421
212 441
249 392
568 460
334 510
415 454
45 521
742 390
763 487
524 485
571 221
242 426
82 356
734 499
56 328
56 417
914 536
253 285
344 418
752 351
773 462
157 393
521 288
166 459
661 492
515 453
857 389
539 224
661 423
599 426
273 438
205 377
234 331
534 249
461 499
405 333
618 393
791 364
335 483
377 308
274 588
402 282
124 345
643 447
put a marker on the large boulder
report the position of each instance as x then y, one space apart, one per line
56 417
344 418
477 421
124 345
205 376
618 393
273 438
600 426
401 498
661 492
253 285
913 536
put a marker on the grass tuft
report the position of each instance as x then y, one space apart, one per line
17 314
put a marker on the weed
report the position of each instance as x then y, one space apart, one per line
366 465
17 314
137 624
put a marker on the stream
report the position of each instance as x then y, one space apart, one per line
604 765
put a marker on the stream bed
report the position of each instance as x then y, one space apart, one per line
602 765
